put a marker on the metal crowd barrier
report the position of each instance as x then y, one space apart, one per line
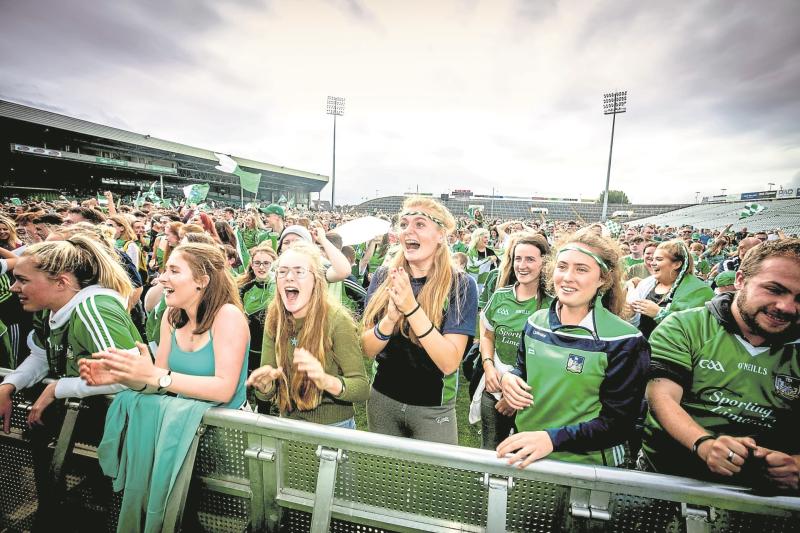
261 473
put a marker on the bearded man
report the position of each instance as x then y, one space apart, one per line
724 387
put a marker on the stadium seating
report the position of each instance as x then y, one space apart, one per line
521 209
784 214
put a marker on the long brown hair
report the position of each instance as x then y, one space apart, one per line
293 388
613 294
507 275
436 290
172 227
206 260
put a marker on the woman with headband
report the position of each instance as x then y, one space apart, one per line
672 287
581 369
420 317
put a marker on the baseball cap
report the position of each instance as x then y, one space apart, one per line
273 209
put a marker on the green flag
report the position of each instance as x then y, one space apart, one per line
750 209
196 192
244 253
282 199
16 201
151 195
249 180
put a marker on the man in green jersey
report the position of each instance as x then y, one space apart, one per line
725 379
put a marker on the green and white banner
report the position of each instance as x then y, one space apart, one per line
196 193
750 209
248 180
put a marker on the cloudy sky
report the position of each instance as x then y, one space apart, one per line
441 94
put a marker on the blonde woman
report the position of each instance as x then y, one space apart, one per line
312 362
419 319
78 293
9 239
480 258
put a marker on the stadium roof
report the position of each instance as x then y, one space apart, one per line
55 120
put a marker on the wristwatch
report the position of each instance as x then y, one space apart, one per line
165 381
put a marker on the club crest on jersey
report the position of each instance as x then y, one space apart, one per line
787 386
575 363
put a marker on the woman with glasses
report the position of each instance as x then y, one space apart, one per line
420 317
312 362
257 288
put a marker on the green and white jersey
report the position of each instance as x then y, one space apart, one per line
96 321
587 383
152 324
733 387
505 316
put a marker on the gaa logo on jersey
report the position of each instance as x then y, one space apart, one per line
787 386
575 363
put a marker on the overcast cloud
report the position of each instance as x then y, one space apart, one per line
440 94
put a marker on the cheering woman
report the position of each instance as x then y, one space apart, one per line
312 363
420 316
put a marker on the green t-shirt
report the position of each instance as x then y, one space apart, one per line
628 261
460 247
95 323
505 316
736 389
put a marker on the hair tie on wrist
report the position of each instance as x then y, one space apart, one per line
412 312
380 336
427 332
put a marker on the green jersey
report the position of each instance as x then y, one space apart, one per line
729 386
587 383
505 317
152 324
93 321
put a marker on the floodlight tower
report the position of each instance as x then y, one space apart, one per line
613 103
335 108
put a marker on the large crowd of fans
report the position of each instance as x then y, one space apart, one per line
665 349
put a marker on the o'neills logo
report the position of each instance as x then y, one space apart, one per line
741 411
750 367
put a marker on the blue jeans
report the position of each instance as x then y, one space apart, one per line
350 423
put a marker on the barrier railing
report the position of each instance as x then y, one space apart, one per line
256 472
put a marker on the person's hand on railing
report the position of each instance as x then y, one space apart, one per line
6 406
529 446
515 391
44 400
726 455
263 377
782 469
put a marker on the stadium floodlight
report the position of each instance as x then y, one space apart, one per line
335 108
613 103
771 185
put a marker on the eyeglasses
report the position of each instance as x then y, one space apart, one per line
299 272
262 264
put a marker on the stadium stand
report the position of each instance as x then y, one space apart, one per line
511 209
784 214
